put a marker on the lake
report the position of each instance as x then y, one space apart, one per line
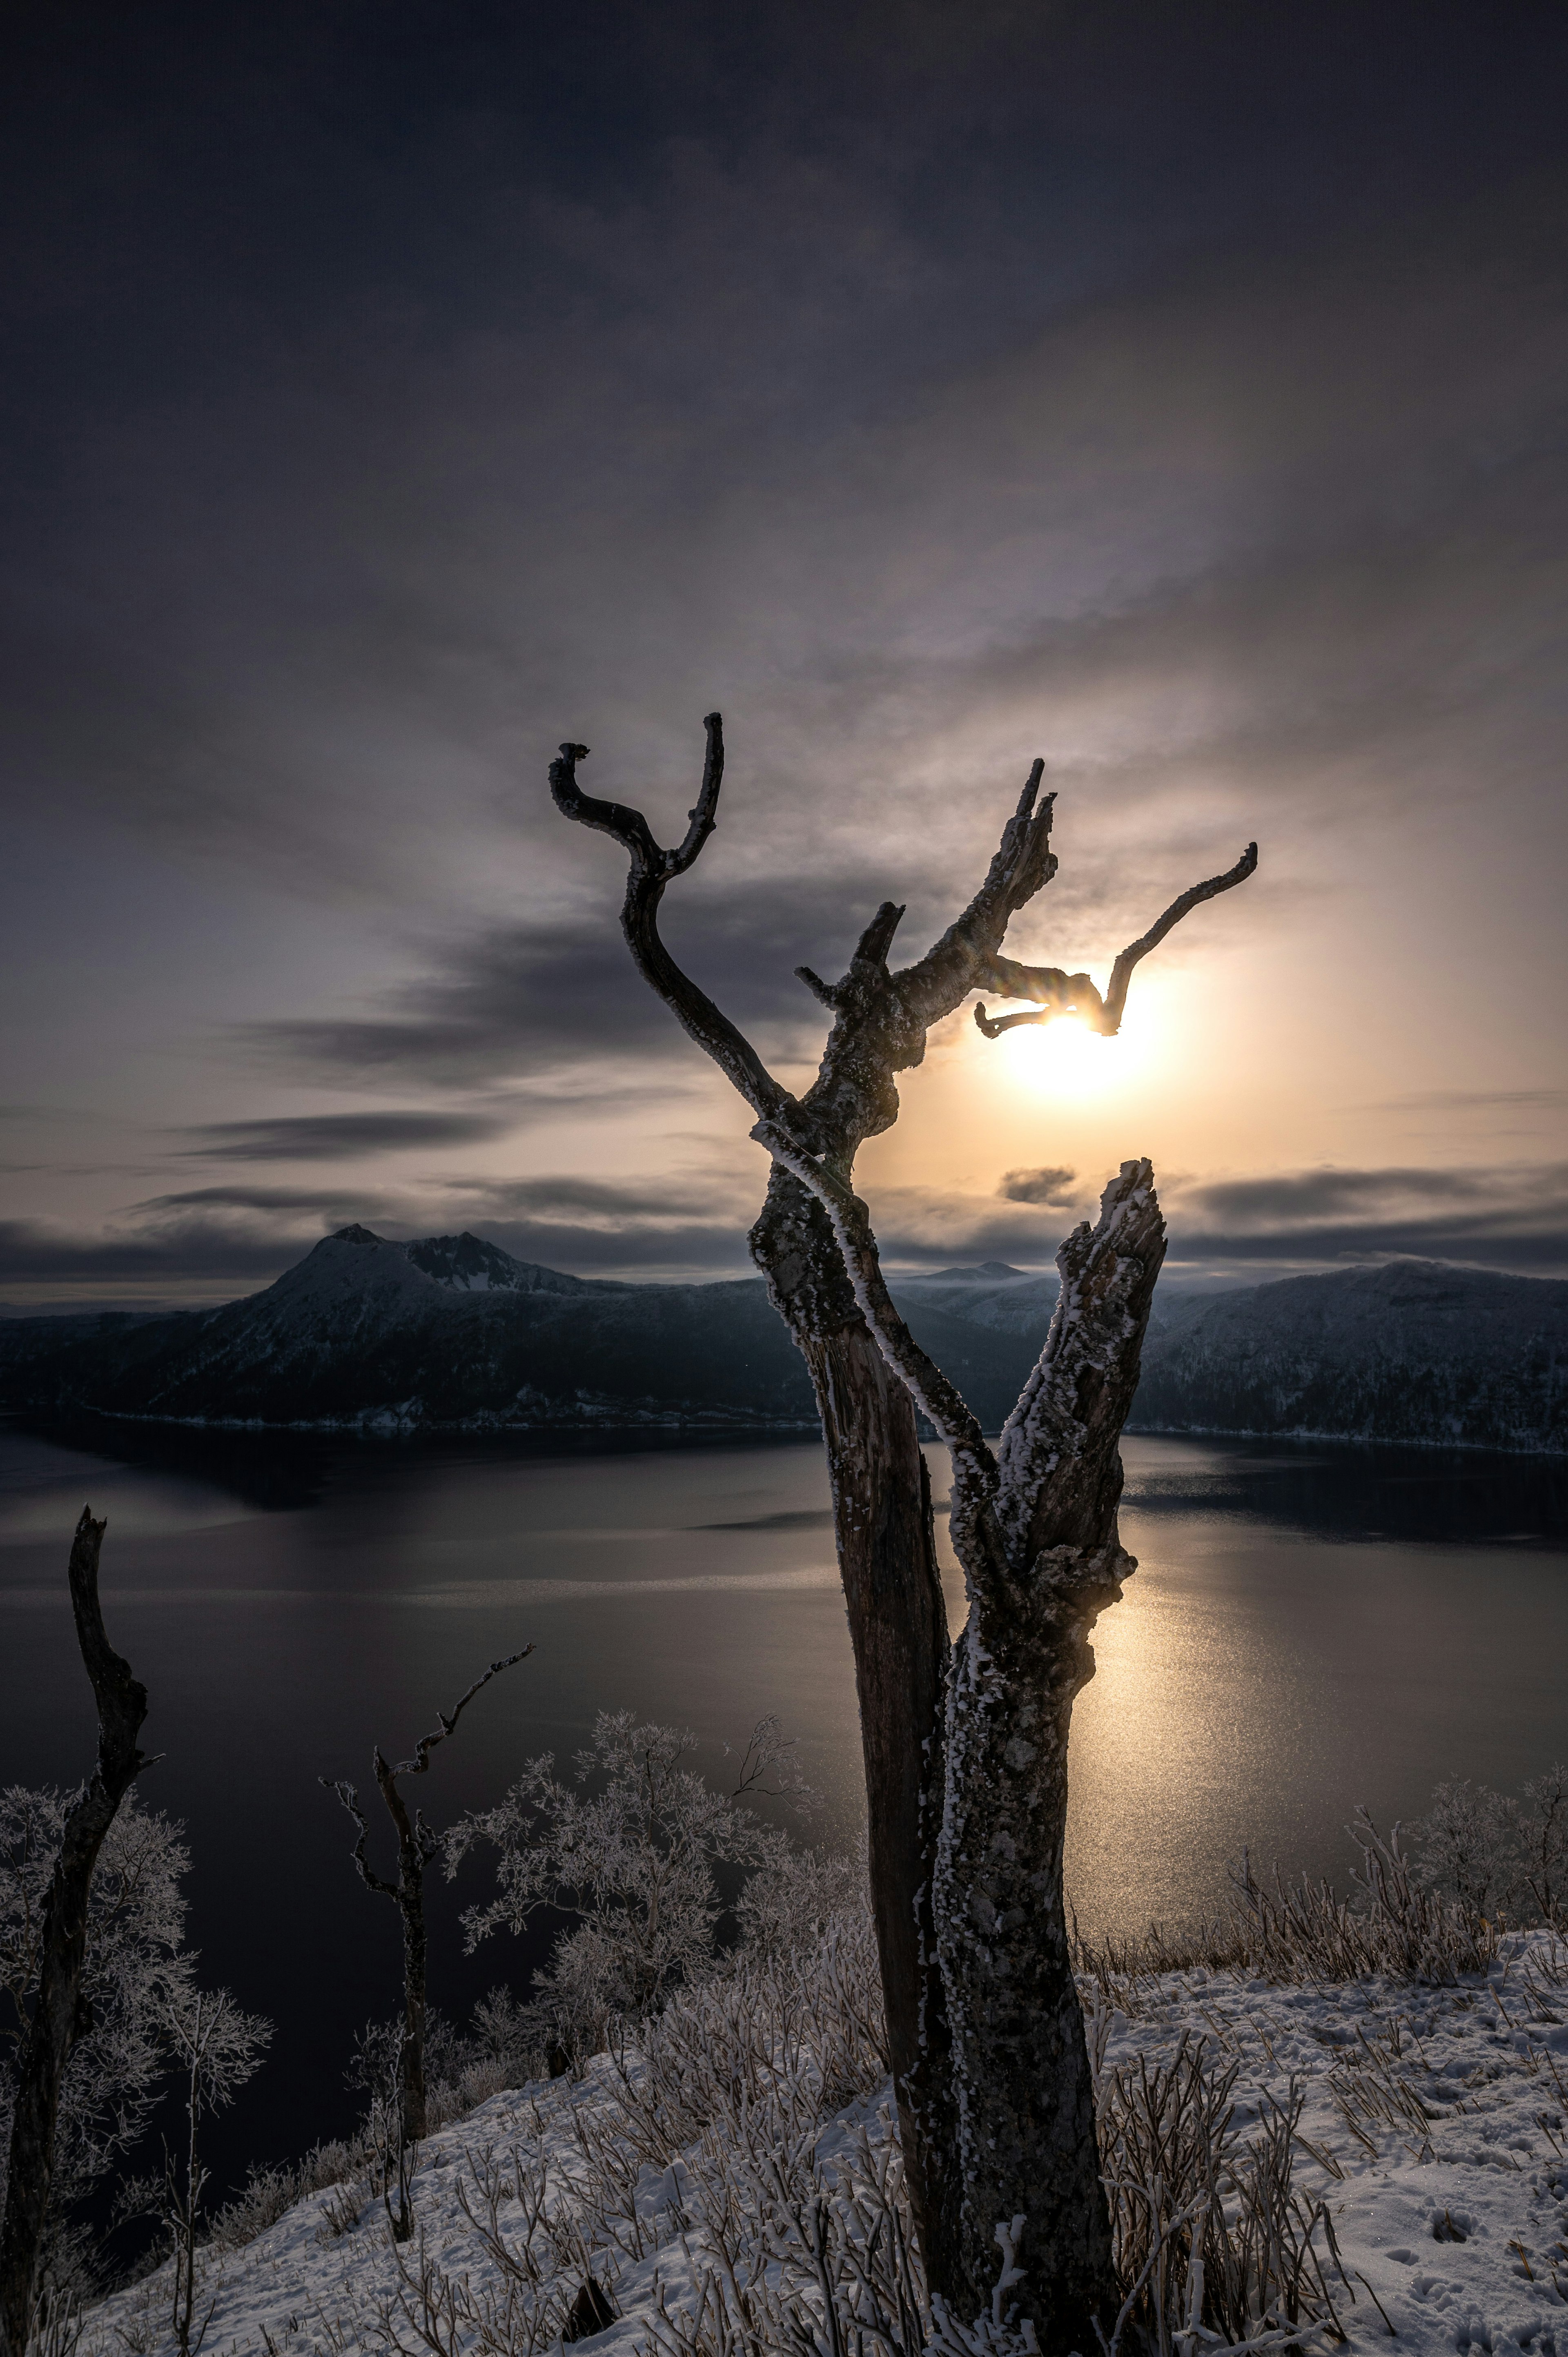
1311 1627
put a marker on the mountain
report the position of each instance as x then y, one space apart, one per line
1415 1350
451 1331
1006 1299
466 1264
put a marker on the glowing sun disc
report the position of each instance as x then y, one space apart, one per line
1062 1057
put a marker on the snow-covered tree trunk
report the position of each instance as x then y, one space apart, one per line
967 1807
1039 1543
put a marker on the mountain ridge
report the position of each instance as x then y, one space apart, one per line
1405 1349
455 1333
367 1333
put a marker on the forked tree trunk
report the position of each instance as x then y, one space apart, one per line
967 1803
60 2013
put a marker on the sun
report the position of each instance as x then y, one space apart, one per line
1065 1059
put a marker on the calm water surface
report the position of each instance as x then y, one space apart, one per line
1310 1627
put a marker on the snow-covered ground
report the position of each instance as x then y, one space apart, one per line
1433 2127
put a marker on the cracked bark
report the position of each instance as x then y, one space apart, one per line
965 1745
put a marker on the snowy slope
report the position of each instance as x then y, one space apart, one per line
1434 2129
467 1263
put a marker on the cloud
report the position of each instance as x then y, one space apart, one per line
177 1254
339 1137
529 1003
1484 1101
1508 1216
922 391
1049 1185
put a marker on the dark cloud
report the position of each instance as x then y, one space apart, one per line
1049 1185
574 1197
176 1254
1480 1100
339 1137
521 1003
1512 1216
1179 393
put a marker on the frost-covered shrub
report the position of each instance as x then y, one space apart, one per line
500 2049
214 2048
268 2192
633 1860
789 1902
1469 1845
135 1928
1502 1859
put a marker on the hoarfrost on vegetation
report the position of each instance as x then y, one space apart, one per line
633 1859
1292 2160
134 1971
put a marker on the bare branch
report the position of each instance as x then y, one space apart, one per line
420 1763
704 818
649 871
828 991
1122 971
954 963
348 1794
1056 992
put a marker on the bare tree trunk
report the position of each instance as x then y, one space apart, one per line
967 1809
60 2013
412 1861
1020 2082
417 1846
1034 1529
897 1626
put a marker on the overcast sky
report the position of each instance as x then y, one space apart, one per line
391 391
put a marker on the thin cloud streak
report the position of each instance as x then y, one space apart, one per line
338 1137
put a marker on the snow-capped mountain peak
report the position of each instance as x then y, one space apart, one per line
467 1263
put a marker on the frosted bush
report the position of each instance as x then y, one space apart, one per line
789 1902
633 1860
136 1925
1502 1859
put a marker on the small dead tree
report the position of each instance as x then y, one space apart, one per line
417 1847
215 2048
61 2016
965 1745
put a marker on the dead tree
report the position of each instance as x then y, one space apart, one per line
61 2016
965 1745
417 1847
